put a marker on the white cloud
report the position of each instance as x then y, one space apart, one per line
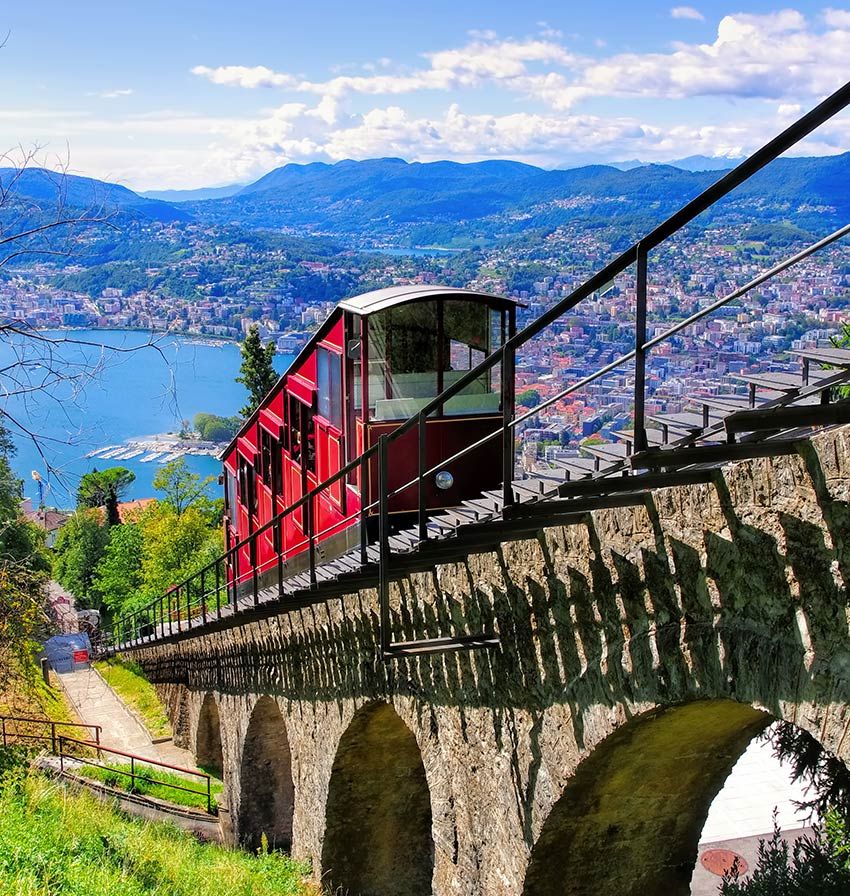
687 12
245 76
783 57
778 56
113 94
837 18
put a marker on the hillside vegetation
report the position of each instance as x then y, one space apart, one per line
58 842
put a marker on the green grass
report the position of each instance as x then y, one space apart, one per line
55 842
24 693
157 786
128 681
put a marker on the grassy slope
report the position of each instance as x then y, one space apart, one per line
112 777
128 681
53 842
24 693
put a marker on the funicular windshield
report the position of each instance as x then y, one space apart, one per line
417 350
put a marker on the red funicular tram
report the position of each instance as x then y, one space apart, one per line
377 360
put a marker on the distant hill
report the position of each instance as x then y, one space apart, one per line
193 195
449 203
689 163
392 202
46 188
706 163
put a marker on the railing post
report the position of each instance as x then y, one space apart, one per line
209 797
252 550
364 501
203 597
53 737
236 574
640 353
508 365
310 510
384 545
278 543
218 588
61 754
170 619
179 611
132 773
423 466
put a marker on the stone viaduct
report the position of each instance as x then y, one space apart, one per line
641 650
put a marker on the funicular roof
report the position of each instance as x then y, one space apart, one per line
364 305
380 299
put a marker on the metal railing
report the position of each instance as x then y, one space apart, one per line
10 733
196 600
136 770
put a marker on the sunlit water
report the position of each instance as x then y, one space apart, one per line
130 394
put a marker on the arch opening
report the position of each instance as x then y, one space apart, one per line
267 798
629 821
208 753
378 839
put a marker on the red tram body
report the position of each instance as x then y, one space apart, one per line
412 342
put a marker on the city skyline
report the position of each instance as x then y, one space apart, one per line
167 98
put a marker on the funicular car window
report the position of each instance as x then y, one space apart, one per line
301 434
470 332
230 496
270 461
247 489
417 350
329 381
402 359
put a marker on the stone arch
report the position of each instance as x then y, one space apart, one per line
630 818
208 753
181 717
378 838
267 797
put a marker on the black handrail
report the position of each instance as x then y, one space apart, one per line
505 355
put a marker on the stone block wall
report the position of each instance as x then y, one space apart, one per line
710 608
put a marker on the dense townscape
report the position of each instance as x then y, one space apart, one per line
219 286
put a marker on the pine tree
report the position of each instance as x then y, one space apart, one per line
256 372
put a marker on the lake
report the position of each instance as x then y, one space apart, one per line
124 390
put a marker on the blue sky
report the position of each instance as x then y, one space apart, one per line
187 94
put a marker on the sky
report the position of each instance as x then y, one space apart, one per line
186 94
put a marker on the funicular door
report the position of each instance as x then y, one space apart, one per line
329 439
299 465
268 492
246 515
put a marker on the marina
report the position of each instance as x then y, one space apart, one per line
163 449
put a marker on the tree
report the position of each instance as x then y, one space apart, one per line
117 579
174 547
212 428
182 487
530 398
79 547
818 864
812 865
24 567
257 371
104 488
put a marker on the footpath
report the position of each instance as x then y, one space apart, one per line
97 704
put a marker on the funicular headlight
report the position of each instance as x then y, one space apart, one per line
444 480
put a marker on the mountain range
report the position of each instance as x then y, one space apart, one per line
391 201
48 189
